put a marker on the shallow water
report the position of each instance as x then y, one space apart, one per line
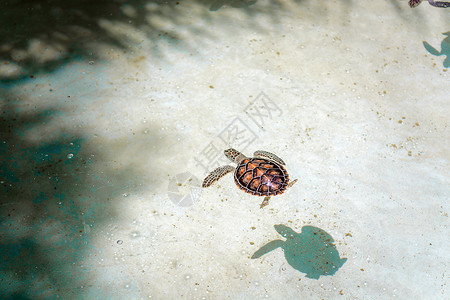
113 113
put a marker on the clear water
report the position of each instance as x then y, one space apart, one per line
113 113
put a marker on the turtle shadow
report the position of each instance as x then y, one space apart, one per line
445 49
312 251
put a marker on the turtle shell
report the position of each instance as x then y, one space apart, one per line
261 177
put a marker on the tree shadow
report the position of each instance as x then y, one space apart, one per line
414 17
51 205
44 34
312 251
217 4
41 35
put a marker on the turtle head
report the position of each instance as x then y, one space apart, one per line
234 155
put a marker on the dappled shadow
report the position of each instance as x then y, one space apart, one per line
412 16
52 201
42 35
312 251
39 36
217 4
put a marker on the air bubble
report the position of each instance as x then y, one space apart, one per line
119 242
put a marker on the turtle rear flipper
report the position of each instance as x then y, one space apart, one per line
216 175
414 3
292 183
268 155
267 248
342 262
265 202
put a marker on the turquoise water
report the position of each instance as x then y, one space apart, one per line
113 113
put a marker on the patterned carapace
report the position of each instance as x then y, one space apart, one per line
261 177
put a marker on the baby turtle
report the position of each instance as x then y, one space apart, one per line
261 175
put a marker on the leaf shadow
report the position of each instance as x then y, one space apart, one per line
56 196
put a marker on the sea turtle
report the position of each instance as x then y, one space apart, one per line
312 251
261 175
414 3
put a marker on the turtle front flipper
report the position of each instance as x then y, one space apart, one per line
216 175
268 155
439 3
